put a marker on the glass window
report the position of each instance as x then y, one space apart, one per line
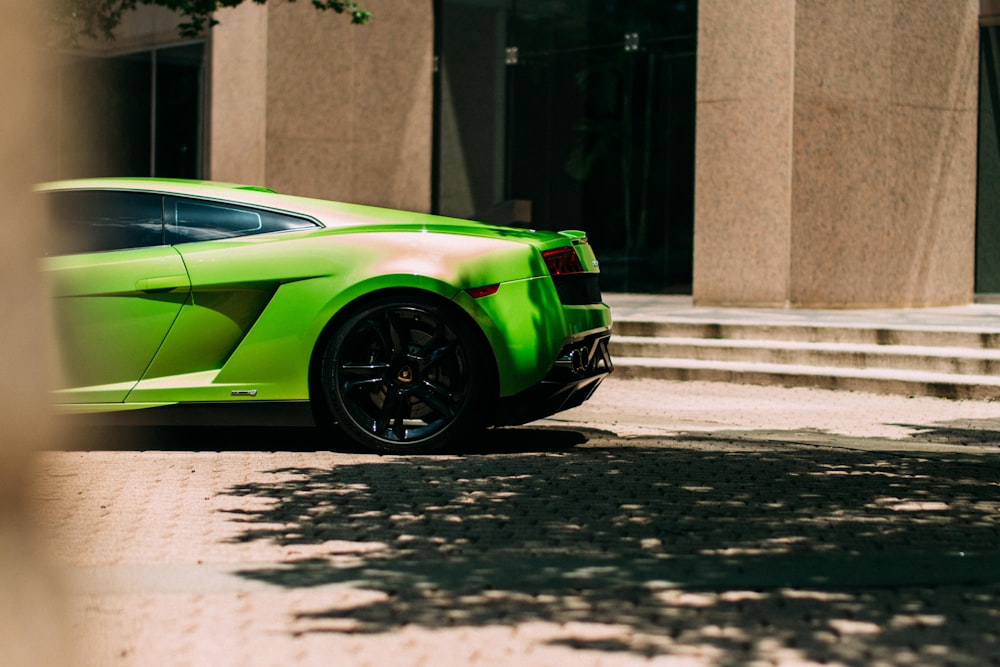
178 97
191 220
988 195
581 112
137 114
97 220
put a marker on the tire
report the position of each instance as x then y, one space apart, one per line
406 375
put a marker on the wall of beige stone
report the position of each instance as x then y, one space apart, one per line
743 146
237 120
306 103
835 155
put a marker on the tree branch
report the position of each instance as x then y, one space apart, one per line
98 19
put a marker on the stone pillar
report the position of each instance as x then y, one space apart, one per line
237 118
743 151
307 103
835 155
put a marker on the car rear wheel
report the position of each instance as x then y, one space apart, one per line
406 376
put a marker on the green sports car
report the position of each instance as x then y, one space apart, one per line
199 302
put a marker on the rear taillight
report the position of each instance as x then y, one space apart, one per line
562 261
485 290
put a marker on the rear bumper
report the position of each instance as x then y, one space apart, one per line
581 366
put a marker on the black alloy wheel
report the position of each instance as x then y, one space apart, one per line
406 376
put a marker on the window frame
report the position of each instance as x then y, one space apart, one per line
64 232
172 236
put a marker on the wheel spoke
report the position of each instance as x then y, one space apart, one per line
436 355
393 331
370 383
438 398
434 349
363 375
392 415
365 370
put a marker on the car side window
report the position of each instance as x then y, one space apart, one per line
190 220
85 221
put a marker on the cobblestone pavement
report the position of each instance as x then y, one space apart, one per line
662 523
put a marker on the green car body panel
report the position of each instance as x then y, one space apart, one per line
242 318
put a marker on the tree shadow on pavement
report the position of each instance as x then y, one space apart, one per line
958 432
717 547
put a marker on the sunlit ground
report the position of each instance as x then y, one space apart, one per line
544 545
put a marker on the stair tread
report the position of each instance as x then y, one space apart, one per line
871 348
978 327
812 370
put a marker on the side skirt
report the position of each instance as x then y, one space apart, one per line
237 413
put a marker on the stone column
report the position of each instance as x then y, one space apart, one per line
237 118
307 103
836 149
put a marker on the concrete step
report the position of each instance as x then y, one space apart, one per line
854 333
952 360
947 361
872 380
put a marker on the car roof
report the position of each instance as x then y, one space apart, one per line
328 213
230 192
165 185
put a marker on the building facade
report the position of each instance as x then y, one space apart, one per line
803 153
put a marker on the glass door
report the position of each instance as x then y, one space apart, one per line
988 190
132 114
597 133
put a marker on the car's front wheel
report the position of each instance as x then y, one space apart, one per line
406 375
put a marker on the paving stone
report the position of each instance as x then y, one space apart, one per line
573 541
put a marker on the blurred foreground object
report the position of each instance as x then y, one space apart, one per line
31 623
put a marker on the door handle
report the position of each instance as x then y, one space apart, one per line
162 284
